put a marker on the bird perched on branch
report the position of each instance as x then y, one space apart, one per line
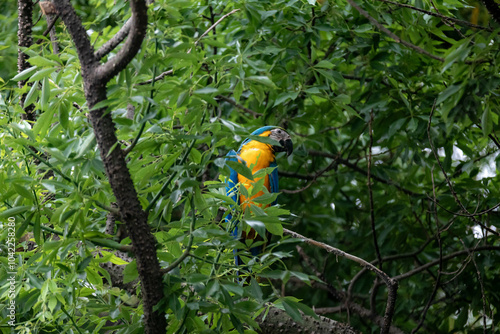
257 153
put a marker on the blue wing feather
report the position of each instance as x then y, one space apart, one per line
273 180
232 191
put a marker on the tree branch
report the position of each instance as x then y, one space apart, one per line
354 167
169 72
445 258
391 34
131 46
278 321
441 16
450 186
239 106
112 43
391 283
343 298
78 35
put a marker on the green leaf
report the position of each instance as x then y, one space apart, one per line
25 74
21 229
63 113
45 93
130 272
241 169
23 191
86 145
324 64
261 80
486 122
14 211
43 123
207 90
83 264
42 62
445 94
459 54
238 90
342 98
292 310
114 259
284 97
43 73
32 95
257 225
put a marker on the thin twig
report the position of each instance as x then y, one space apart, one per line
214 25
440 270
239 106
471 254
49 28
354 167
446 18
471 214
169 72
184 255
445 258
450 186
370 192
391 34
331 166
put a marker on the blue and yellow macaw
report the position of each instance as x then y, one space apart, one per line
256 155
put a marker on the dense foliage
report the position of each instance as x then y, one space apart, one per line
418 116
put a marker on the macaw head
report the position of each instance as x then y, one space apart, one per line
278 134
284 139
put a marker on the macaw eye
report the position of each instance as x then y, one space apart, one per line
279 132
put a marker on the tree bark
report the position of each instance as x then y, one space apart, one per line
95 77
277 321
24 39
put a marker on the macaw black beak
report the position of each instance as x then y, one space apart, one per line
287 146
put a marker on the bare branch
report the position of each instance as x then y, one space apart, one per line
445 258
340 296
392 284
111 44
483 296
78 35
213 26
391 34
159 77
445 18
49 28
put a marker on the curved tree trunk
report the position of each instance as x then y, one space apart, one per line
96 77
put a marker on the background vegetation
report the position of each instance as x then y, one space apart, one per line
393 109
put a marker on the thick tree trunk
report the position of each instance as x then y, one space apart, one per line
95 77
